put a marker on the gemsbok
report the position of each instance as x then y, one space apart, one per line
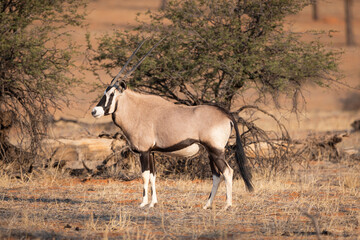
151 123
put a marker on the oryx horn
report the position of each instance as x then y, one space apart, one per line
127 63
141 60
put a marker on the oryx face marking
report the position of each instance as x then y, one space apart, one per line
107 104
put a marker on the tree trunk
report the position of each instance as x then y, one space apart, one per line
350 41
163 4
8 152
315 15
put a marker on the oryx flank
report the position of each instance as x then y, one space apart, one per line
151 123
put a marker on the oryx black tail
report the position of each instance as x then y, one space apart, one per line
241 159
239 151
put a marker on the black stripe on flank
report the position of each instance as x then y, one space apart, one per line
176 147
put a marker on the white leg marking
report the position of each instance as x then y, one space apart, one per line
216 182
153 190
145 175
228 176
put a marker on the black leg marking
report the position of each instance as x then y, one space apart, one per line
214 169
152 163
217 161
145 161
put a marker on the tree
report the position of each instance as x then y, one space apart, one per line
36 57
217 50
315 15
214 50
350 40
163 4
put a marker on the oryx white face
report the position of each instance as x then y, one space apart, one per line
107 104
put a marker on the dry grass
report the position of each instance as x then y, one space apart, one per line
289 206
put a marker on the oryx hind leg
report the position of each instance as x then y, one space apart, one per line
152 181
216 181
228 176
148 174
219 165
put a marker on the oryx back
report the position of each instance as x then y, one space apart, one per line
152 123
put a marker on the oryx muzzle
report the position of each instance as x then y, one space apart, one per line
151 123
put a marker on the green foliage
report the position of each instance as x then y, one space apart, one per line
36 59
214 50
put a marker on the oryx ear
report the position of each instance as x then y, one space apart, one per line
122 85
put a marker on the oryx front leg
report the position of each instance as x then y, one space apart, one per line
148 173
153 190
145 175
152 180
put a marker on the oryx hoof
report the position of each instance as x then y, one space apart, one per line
143 204
227 207
207 207
152 205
